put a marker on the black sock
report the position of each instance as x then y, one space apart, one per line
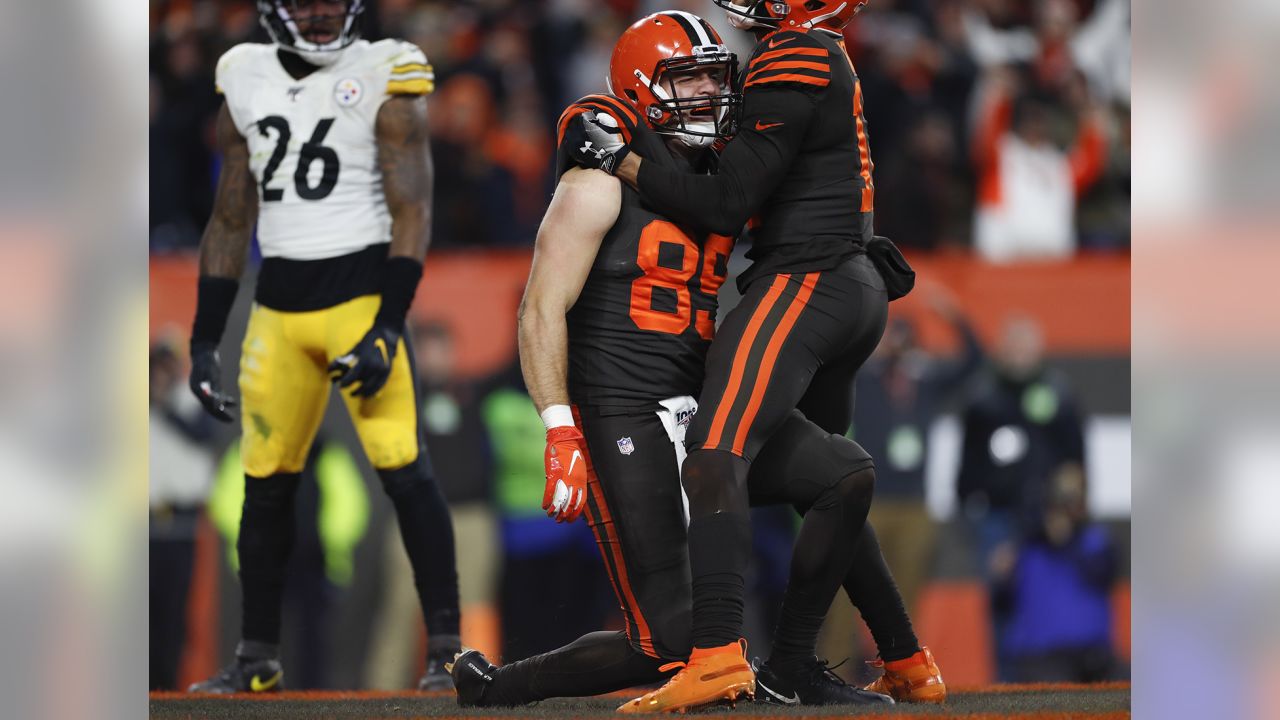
719 543
595 663
872 590
719 547
820 561
264 544
427 532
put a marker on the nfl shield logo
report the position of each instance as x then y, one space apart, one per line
625 446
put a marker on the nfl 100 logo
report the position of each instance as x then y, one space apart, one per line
625 446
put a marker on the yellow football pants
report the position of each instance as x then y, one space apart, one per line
284 388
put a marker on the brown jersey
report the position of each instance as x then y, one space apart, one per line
640 329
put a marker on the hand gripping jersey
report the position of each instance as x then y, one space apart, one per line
312 146
800 164
640 329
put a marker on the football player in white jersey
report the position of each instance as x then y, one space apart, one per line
324 144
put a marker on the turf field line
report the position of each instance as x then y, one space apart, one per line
730 715
413 694
1037 687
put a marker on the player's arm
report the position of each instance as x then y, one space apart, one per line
404 157
774 122
223 249
585 205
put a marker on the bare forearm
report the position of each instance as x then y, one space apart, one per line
408 175
225 245
544 356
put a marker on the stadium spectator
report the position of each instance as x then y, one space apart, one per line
899 394
1055 42
1055 593
1022 428
519 63
1027 186
181 470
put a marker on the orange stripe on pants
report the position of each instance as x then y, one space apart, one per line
621 582
770 357
740 359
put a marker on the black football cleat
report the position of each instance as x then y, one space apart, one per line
471 673
244 675
810 683
436 678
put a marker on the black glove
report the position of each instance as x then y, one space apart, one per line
206 381
368 363
595 141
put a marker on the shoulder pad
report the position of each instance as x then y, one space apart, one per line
619 110
409 72
235 60
789 58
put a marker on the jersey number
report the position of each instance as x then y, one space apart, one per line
652 238
312 150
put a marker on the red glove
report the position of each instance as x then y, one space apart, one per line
565 493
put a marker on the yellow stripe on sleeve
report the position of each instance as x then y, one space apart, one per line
411 67
419 86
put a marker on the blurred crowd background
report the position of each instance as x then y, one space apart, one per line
997 406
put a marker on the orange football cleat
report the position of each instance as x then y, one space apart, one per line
913 679
711 675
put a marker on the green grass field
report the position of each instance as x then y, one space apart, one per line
1042 702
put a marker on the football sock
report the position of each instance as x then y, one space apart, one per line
251 650
595 663
819 563
872 590
719 543
427 532
264 544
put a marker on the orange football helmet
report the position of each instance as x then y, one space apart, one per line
830 15
669 43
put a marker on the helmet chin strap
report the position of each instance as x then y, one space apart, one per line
697 142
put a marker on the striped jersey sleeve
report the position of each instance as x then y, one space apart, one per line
626 116
789 59
410 73
602 103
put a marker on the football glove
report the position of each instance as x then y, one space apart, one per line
206 381
565 494
368 363
595 141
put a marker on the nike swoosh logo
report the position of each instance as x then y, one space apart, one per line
762 125
382 348
257 685
573 461
793 700
775 43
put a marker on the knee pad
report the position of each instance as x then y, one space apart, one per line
272 491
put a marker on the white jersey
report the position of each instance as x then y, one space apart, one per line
311 142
